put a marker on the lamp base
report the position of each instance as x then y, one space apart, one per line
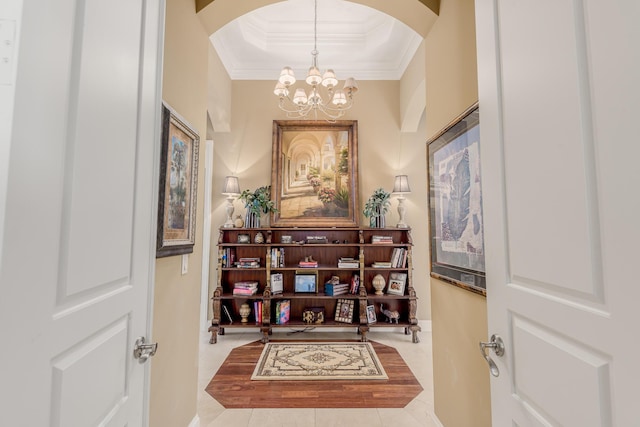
229 222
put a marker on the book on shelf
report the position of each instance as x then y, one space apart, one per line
226 312
245 288
228 257
334 290
277 283
381 264
355 284
398 257
308 264
348 262
283 311
376 239
257 310
248 263
277 257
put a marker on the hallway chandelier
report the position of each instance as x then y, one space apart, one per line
332 104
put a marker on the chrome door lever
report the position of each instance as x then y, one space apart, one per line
142 351
497 345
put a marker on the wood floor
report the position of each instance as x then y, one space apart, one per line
232 387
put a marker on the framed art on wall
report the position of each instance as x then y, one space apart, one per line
178 186
455 203
314 173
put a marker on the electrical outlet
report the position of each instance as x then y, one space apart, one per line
185 264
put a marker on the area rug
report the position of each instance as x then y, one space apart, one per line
318 361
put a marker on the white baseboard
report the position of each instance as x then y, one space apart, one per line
195 422
436 421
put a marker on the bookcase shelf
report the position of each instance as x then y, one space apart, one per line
366 308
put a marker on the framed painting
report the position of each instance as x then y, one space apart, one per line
314 173
455 203
178 186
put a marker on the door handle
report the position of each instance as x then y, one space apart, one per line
497 345
142 351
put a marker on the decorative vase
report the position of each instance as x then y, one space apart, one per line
378 283
259 237
252 220
244 311
238 222
377 220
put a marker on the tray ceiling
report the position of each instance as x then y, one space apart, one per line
354 40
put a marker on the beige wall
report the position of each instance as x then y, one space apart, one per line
244 149
383 153
461 378
176 305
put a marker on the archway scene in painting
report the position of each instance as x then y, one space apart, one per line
315 174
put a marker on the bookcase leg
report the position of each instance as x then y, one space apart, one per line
214 334
265 335
415 329
362 330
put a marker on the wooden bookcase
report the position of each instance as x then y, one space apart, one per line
341 242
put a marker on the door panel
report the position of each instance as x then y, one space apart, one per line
559 161
79 247
544 391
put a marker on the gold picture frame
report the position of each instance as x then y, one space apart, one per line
314 173
344 310
178 186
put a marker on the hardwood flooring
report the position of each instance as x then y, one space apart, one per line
232 387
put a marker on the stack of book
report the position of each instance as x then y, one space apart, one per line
257 310
333 290
277 257
283 311
398 258
346 262
249 263
381 239
308 264
245 288
381 264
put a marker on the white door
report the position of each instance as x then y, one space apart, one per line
78 246
559 95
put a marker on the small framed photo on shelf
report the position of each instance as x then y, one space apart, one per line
371 314
277 284
397 282
306 282
344 310
244 238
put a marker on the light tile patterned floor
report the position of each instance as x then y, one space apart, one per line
418 413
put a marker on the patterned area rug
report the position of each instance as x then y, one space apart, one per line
318 361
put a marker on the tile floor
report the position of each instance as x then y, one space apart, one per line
418 413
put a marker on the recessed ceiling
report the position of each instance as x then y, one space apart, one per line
354 40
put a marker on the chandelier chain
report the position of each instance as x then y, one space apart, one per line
332 104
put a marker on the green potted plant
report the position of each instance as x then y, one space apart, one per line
376 207
257 203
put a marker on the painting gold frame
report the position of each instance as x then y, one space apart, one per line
314 174
178 186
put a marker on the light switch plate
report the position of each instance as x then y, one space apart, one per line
185 264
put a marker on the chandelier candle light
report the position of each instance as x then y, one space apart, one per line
231 189
401 187
335 103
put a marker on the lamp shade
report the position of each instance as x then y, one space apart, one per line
231 185
401 184
287 77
